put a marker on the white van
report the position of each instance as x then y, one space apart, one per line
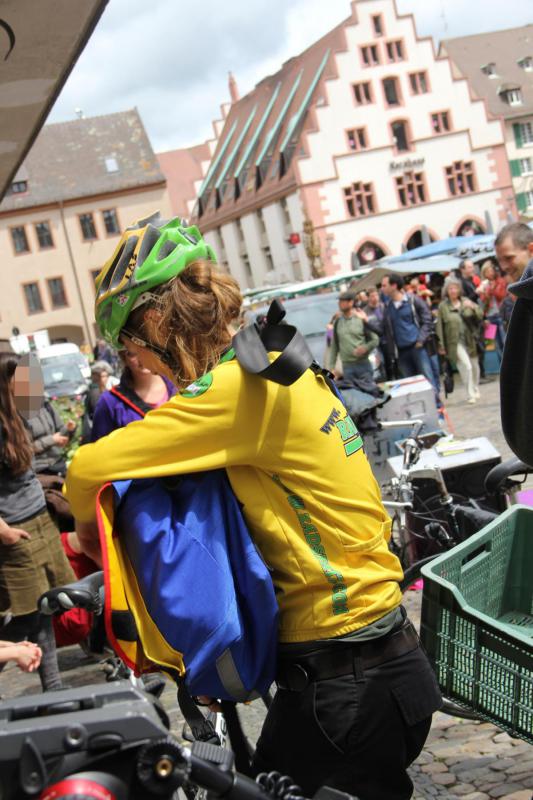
66 370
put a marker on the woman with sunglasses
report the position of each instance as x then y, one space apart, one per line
355 691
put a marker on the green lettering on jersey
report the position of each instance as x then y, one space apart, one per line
350 436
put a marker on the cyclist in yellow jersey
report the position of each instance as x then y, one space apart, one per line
355 691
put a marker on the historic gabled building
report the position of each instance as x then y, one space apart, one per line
499 67
368 135
82 182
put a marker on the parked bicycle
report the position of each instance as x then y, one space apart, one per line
425 524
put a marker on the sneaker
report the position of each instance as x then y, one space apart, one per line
477 394
471 401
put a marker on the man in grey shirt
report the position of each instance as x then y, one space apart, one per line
353 340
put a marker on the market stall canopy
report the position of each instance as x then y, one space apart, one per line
39 44
407 266
464 247
265 293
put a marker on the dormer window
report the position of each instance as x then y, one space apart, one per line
511 95
526 63
19 187
111 164
489 69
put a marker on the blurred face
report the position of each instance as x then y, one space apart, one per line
345 306
453 292
489 274
135 366
513 260
101 378
373 298
147 360
386 287
468 270
27 385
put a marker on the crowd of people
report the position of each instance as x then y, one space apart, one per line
426 323
173 326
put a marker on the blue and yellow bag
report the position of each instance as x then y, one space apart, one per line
186 590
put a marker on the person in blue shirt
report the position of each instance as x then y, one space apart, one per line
408 325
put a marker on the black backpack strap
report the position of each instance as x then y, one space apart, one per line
201 728
252 345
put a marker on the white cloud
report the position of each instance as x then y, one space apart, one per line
171 60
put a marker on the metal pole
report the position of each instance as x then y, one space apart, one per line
88 331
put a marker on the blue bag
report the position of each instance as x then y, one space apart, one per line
179 557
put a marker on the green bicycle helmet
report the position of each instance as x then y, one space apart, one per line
150 253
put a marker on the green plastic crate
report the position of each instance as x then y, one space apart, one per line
477 621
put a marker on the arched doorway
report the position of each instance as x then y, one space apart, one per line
419 238
368 252
470 227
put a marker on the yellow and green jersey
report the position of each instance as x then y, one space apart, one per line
296 464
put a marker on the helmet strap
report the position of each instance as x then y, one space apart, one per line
153 348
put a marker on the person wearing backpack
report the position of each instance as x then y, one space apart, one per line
409 324
355 690
353 340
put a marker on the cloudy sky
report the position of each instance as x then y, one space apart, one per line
170 59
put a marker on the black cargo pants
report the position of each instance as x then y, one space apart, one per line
357 733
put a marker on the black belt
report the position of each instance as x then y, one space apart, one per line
297 672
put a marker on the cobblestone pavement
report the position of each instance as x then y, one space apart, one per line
466 760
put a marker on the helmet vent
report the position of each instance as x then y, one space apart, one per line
126 260
149 240
166 249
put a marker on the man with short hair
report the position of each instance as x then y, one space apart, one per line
409 324
352 340
514 249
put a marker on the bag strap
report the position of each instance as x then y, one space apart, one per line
127 396
252 345
202 729
414 310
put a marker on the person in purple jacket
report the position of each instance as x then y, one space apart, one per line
138 392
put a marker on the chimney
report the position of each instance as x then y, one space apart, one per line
233 90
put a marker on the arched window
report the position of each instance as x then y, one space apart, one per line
369 252
416 240
470 227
